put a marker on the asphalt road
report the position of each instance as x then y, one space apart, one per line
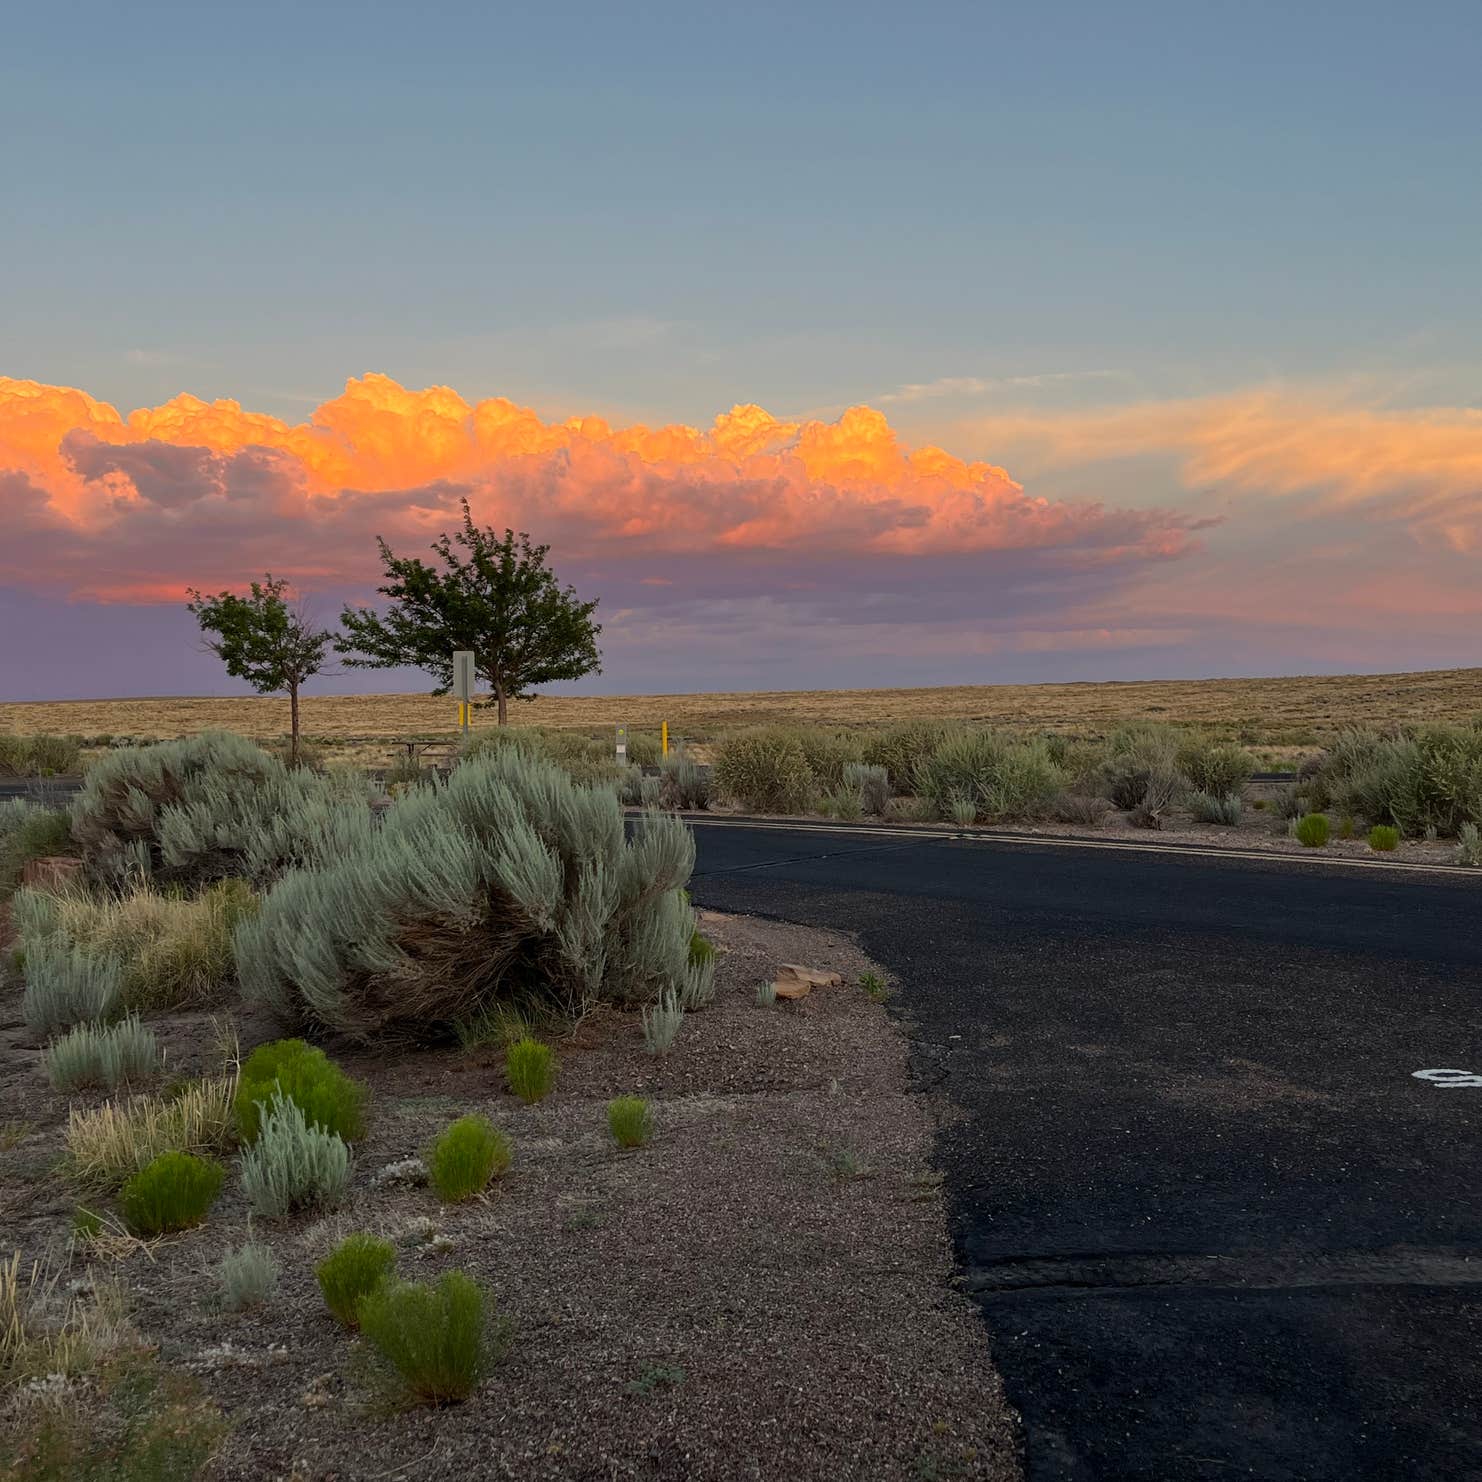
1216 1225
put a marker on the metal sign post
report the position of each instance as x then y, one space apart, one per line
622 745
463 679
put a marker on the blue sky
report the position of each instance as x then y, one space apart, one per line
654 212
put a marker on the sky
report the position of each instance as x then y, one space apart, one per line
827 345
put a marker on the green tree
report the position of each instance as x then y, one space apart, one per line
494 596
265 640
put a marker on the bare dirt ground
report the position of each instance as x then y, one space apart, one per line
1290 711
764 1291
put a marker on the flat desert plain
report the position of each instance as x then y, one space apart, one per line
1287 711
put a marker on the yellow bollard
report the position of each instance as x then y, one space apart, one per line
664 737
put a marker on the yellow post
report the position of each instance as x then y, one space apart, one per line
664 737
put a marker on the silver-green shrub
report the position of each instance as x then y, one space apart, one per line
662 1023
766 770
510 882
1000 776
872 784
246 1276
293 1165
1469 846
1214 807
683 783
67 985
106 1056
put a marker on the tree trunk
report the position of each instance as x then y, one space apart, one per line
293 725
499 695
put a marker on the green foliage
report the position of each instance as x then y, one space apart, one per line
630 1119
870 783
466 1156
174 1192
293 1164
68 985
264 640
902 748
645 749
306 1076
766 993
40 756
246 1276
1312 830
844 805
358 1266
683 784
1210 808
874 986
1219 770
510 883
661 1024
530 1070
1384 837
498 600
1469 846
435 1337
829 754
1424 778
765 770
1140 772
106 1057
28 831
999 776
1084 809
962 811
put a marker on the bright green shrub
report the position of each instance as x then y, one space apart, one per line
307 1076
1312 830
510 882
466 1156
174 1192
433 1336
1383 838
530 1070
630 1119
357 1266
294 1164
765 770
1000 776
90 1055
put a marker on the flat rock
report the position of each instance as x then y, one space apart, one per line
795 981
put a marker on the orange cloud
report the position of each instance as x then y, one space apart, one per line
1422 468
132 507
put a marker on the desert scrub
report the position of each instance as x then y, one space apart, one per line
509 883
436 1338
306 1076
293 1165
68 985
902 748
1414 778
1215 768
1383 838
1312 830
1089 810
871 784
766 993
844 805
1211 808
107 1143
998 776
355 1268
106 1057
1469 846
246 1276
765 770
661 1025
208 808
465 1157
698 990
40 756
174 1192
530 1070
27 832
683 783
630 1119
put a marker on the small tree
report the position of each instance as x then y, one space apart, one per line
499 600
264 640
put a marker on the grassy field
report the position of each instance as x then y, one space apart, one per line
1292 711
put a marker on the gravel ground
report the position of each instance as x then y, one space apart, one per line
765 1291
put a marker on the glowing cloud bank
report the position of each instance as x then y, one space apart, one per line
102 506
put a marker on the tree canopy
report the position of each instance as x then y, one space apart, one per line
494 595
263 639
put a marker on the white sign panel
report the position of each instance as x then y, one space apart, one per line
463 674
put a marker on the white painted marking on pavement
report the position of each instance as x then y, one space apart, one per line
1448 1078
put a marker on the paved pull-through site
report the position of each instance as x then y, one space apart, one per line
1217 1224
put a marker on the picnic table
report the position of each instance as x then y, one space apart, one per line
416 753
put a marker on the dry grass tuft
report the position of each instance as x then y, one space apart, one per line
107 1144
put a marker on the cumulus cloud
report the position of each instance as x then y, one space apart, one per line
134 507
